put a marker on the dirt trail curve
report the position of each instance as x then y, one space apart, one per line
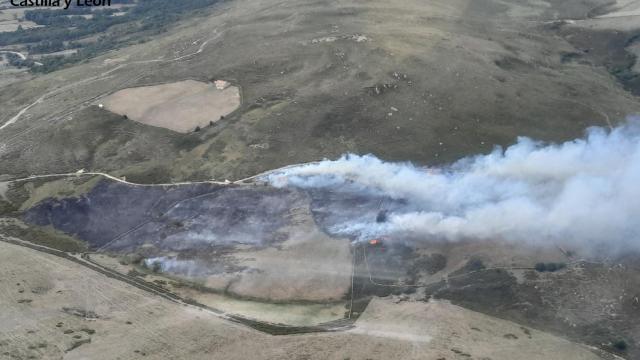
245 181
115 178
20 55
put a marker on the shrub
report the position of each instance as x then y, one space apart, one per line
134 272
191 301
620 345
550 267
541 267
475 264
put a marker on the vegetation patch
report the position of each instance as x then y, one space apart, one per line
609 49
549 267
93 32
45 236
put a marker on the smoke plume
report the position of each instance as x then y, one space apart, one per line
581 192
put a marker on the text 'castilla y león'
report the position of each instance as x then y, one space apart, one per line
65 4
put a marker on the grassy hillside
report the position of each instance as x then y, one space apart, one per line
428 82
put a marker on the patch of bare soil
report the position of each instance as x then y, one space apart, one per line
310 266
181 106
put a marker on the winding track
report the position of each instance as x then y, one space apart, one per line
245 181
115 178
20 55
106 74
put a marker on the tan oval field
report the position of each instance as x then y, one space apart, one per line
180 106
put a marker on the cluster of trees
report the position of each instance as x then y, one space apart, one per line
68 17
60 27
44 47
63 28
49 64
17 61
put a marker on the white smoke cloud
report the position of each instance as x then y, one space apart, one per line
585 191
172 265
